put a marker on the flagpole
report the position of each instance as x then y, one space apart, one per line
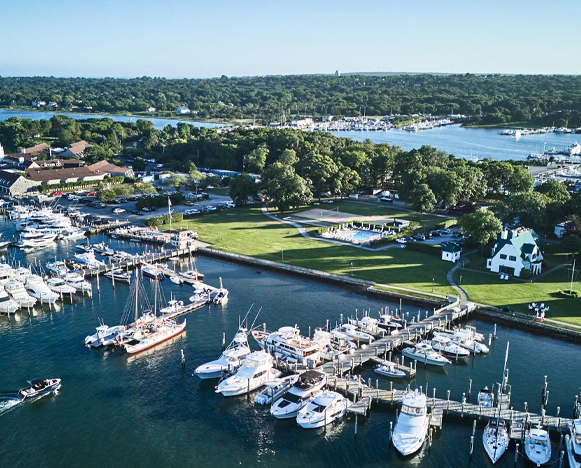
169 211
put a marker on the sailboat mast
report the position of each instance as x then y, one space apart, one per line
155 295
136 290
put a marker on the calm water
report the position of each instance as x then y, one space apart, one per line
145 411
157 123
467 142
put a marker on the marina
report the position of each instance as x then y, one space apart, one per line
371 397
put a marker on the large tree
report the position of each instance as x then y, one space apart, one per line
482 226
242 188
422 199
555 190
529 208
285 187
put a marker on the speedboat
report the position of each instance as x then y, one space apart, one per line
36 287
388 369
352 332
17 291
105 336
221 296
495 439
308 385
465 340
118 275
176 280
229 361
485 398
88 259
448 348
538 445
573 444
424 352
58 285
322 410
7 305
366 324
412 423
386 322
253 373
84 248
39 388
275 389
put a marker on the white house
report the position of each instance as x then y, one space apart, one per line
151 109
183 110
516 250
560 229
451 253
306 122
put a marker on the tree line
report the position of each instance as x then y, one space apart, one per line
490 99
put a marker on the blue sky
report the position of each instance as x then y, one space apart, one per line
189 38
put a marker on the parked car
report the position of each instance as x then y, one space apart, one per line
101 205
445 232
56 194
419 237
435 233
118 210
123 200
146 209
91 194
189 203
401 240
137 212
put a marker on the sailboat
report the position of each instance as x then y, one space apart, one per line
495 437
148 330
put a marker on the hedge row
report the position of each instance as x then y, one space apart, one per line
446 224
164 219
82 184
430 249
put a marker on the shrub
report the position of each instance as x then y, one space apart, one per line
526 274
571 294
446 224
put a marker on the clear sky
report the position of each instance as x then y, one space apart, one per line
190 38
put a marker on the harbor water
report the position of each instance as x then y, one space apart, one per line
145 410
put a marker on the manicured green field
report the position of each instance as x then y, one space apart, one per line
247 231
489 289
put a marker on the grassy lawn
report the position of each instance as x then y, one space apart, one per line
220 191
247 231
489 289
426 221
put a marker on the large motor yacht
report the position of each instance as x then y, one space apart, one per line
287 344
39 388
36 287
538 445
254 373
308 385
412 423
352 332
7 305
573 444
424 352
59 286
17 291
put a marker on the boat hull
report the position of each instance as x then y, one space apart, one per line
147 344
421 358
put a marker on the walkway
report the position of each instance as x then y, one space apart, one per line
450 275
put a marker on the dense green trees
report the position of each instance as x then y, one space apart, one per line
285 187
491 99
242 188
482 226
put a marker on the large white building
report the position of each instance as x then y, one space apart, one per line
514 251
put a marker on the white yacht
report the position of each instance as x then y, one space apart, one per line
6 273
423 352
389 369
118 275
37 241
287 344
229 361
322 410
386 322
221 296
275 389
254 373
465 340
105 336
173 306
7 305
308 385
58 285
153 334
412 423
331 348
352 332
152 271
88 259
36 287
495 439
538 445
366 324
17 291
78 282
193 275
485 398
573 444
448 348
71 234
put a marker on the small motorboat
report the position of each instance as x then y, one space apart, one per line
573 444
387 322
152 271
275 389
308 385
423 352
388 369
39 388
448 348
118 275
59 286
254 373
221 296
352 332
495 439
193 275
485 398
105 336
173 307
322 410
176 280
538 445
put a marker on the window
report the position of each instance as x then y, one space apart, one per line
502 257
512 258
